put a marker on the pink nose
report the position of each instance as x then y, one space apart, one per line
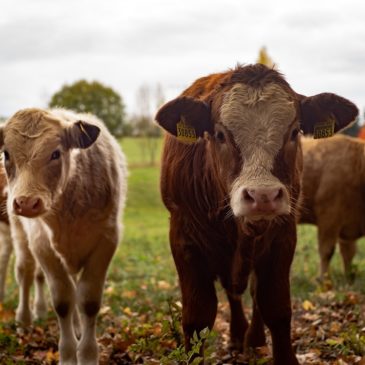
28 206
263 200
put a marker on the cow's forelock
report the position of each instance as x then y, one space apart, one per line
258 119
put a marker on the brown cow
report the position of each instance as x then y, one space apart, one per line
67 185
329 166
232 193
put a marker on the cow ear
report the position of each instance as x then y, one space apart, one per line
81 135
325 114
186 118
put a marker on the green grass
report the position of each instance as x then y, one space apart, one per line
142 287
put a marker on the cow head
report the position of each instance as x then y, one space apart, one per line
37 147
251 121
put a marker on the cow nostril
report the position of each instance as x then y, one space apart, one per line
279 195
36 205
247 197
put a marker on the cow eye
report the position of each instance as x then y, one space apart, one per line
6 155
294 134
220 137
56 155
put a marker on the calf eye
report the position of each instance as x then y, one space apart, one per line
56 155
6 155
220 137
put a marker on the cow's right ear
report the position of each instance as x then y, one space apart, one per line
186 118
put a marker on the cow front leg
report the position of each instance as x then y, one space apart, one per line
255 336
274 305
199 298
89 295
63 294
40 302
238 324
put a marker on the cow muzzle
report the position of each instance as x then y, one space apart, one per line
28 206
260 202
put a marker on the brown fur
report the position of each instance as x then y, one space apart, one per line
207 241
334 195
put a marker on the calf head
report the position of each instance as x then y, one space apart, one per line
37 147
251 122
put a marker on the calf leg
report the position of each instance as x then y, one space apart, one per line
348 251
24 271
63 296
89 296
6 248
40 302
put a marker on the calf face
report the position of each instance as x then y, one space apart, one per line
252 126
37 149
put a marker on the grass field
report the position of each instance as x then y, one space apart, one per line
141 302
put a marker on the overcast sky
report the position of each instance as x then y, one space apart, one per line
319 45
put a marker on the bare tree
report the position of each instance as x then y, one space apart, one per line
144 126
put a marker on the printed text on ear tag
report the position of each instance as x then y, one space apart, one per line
185 133
324 129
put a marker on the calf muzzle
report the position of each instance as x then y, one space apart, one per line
28 206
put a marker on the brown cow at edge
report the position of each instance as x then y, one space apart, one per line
233 195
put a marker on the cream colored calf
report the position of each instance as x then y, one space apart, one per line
67 186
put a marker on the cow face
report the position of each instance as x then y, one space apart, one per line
37 148
251 126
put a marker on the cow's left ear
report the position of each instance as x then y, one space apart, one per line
186 118
326 113
81 135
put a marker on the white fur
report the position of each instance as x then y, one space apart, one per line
258 120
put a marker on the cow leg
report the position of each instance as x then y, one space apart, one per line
238 323
255 336
24 271
6 248
40 302
198 293
89 295
348 251
273 299
63 296
326 248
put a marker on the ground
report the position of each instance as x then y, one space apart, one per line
140 318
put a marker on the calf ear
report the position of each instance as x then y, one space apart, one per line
329 110
186 118
81 135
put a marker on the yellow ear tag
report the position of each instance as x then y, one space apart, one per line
185 133
324 129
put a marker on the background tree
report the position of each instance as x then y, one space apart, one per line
147 99
93 97
264 58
